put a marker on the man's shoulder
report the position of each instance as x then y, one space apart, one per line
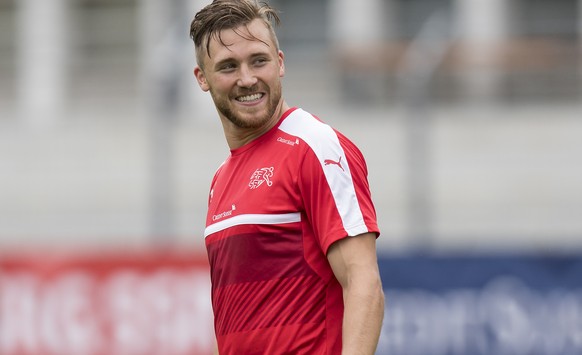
307 126
298 115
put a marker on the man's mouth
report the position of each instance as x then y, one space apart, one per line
249 98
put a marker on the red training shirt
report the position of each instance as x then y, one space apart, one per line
275 206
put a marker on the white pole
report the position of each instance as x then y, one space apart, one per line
580 35
43 52
198 104
170 93
356 23
580 27
484 21
482 26
356 32
164 36
158 83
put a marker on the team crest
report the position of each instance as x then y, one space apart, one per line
261 176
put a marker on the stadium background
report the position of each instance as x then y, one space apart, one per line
469 113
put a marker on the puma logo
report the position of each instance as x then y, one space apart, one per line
338 163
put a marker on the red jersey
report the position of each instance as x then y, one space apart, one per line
275 207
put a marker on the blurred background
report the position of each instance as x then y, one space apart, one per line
468 112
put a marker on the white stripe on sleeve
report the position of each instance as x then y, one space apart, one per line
324 142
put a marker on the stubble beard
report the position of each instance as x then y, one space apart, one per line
225 108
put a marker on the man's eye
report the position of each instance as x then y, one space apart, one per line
260 61
227 67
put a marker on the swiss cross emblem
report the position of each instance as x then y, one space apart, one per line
261 176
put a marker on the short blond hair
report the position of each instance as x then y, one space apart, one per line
228 14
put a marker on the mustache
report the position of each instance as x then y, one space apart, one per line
247 91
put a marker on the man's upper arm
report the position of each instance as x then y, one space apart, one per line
354 256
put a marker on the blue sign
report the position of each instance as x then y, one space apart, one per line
482 305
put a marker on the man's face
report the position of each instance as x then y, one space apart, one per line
244 77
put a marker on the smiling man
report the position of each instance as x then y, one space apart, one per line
291 228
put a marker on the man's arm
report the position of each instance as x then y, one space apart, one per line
354 263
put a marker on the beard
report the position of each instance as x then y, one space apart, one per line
258 119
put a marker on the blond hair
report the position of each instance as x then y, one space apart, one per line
228 14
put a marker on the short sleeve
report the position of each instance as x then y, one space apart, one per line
335 190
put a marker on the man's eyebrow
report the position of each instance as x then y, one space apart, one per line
259 54
224 61
233 60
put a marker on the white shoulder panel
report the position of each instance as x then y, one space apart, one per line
324 142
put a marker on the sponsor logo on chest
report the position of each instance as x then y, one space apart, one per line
221 215
288 141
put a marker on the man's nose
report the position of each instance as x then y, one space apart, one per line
247 78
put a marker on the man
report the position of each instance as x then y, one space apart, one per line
291 228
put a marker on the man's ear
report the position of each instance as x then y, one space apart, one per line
201 78
281 58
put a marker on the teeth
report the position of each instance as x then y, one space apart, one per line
249 98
